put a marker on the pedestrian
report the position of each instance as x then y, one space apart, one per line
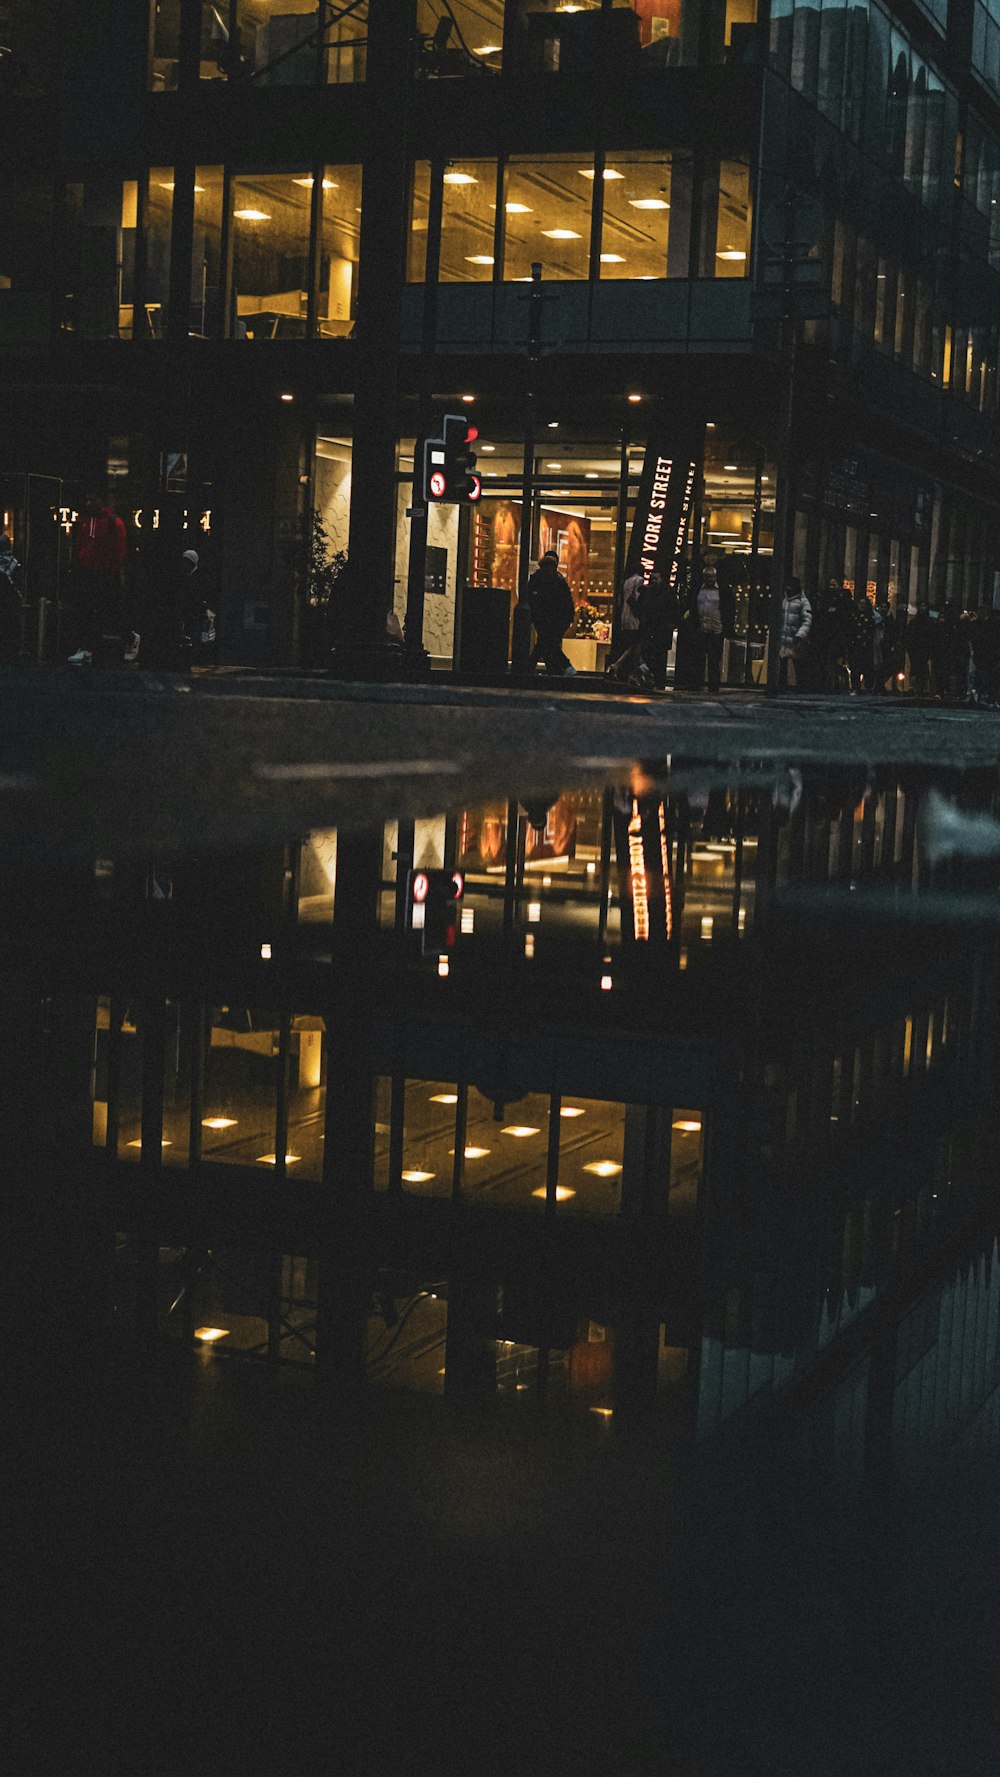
628 664
886 642
98 550
174 610
919 635
796 623
658 621
11 602
552 609
708 609
830 637
862 643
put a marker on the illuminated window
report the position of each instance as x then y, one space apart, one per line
468 221
99 238
568 38
206 254
158 219
240 1086
270 220
463 37
547 208
642 237
732 238
166 46
416 245
338 266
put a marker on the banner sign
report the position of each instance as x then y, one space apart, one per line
666 489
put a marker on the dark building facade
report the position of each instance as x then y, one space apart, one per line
251 252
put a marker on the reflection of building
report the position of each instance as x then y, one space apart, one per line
681 1174
189 284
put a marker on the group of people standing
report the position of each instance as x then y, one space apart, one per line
104 608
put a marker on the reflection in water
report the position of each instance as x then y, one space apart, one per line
658 1122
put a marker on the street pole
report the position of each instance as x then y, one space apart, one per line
415 654
521 641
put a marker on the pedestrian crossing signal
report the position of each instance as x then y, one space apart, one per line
449 465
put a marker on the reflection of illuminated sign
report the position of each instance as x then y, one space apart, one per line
637 875
644 868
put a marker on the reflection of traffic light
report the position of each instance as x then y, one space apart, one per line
449 464
432 905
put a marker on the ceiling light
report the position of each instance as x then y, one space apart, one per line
603 1168
252 215
648 203
468 397
208 1335
444 1098
168 185
606 983
603 1412
571 1110
731 253
730 465
138 1144
307 181
553 465
486 447
519 209
612 259
687 1125
488 49
552 425
635 397
415 1177
561 234
272 1159
479 259
609 173
218 1122
520 1129
562 1192
460 179
590 475
473 1153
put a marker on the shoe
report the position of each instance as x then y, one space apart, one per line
132 651
79 658
569 672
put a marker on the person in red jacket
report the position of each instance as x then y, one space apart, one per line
96 578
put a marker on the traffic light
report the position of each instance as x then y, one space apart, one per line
449 464
432 898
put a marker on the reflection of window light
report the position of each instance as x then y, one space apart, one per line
443 967
603 1168
468 920
561 234
415 1177
707 927
603 1412
529 945
562 1193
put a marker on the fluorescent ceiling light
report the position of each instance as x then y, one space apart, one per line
218 1122
731 253
648 203
609 173
612 259
520 1129
561 234
562 1192
603 1168
252 215
518 209
307 181
687 1125
208 1335
444 1098
571 1110
479 259
272 1159
460 179
415 1177
138 1144
488 49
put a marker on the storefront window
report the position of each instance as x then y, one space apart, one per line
206 254
338 268
468 221
639 224
428 1144
270 216
547 207
159 215
460 36
240 1090
165 64
25 259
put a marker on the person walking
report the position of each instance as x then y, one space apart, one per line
551 603
796 623
658 620
830 637
708 609
862 647
628 665
98 550
918 639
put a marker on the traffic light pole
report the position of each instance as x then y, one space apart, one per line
416 655
785 502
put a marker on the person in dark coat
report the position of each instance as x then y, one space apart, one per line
919 634
862 646
833 624
552 609
658 620
96 577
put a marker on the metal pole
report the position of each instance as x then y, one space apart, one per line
413 629
784 507
522 626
